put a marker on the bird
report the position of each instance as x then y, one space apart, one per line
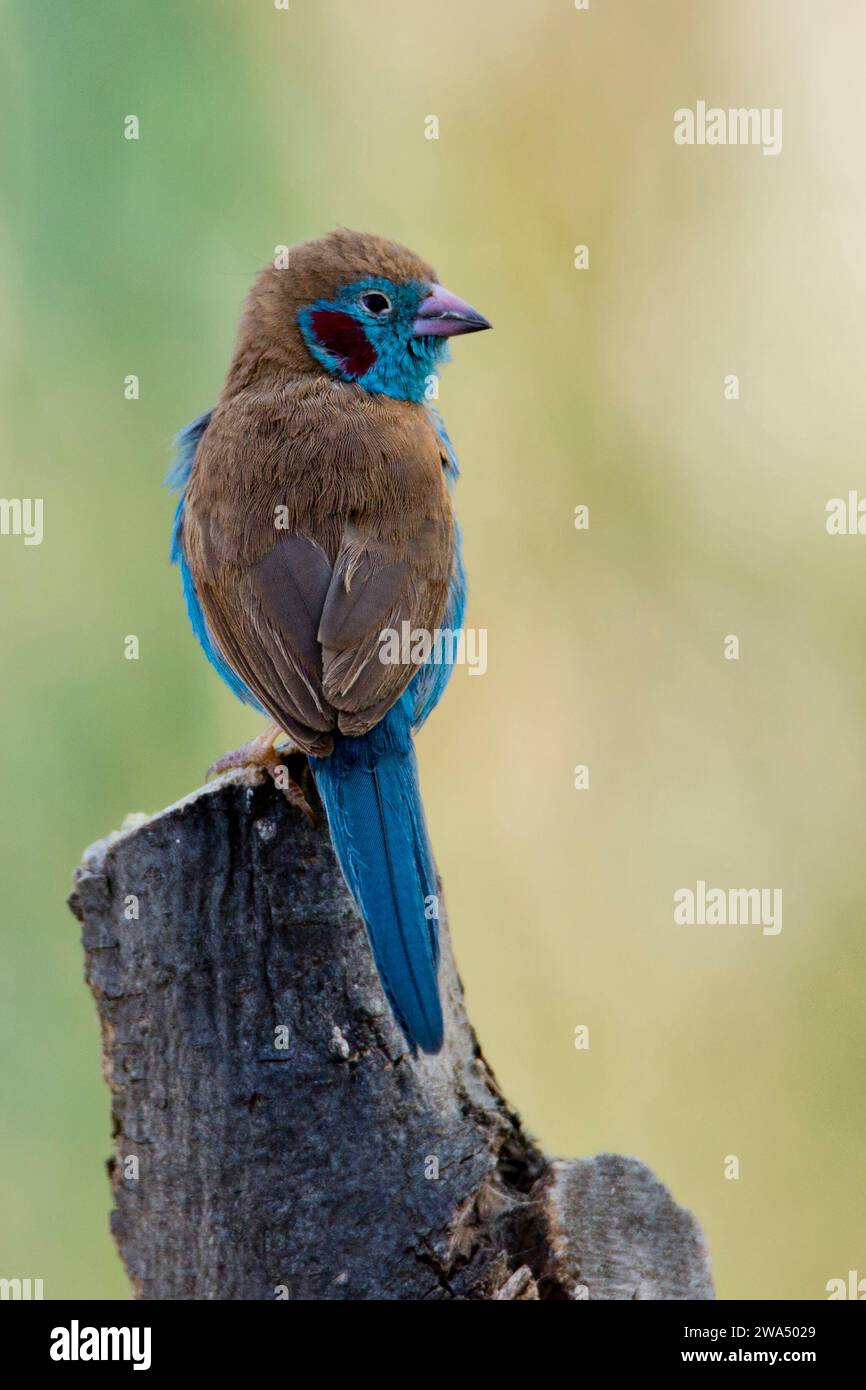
315 515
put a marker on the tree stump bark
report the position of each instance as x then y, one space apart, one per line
272 1138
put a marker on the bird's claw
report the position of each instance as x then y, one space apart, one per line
258 758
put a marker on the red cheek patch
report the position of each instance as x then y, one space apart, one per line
344 337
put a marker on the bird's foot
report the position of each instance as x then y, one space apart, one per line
259 757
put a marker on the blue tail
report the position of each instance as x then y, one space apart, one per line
369 787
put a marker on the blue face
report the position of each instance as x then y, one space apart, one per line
369 334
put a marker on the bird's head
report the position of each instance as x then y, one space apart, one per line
358 307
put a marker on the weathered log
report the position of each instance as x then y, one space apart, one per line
273 1139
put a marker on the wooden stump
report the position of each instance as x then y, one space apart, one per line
272 1137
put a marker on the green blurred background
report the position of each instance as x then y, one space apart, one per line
602 387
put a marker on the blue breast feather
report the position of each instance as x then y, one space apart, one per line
186 444
428 686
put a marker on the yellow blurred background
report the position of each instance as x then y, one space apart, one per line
602 387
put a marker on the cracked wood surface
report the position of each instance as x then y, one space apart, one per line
272 1137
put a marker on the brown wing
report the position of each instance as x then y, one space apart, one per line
266 624
378 586
371 547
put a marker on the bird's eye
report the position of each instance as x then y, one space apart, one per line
376 302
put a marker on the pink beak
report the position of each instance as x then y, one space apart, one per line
442 315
